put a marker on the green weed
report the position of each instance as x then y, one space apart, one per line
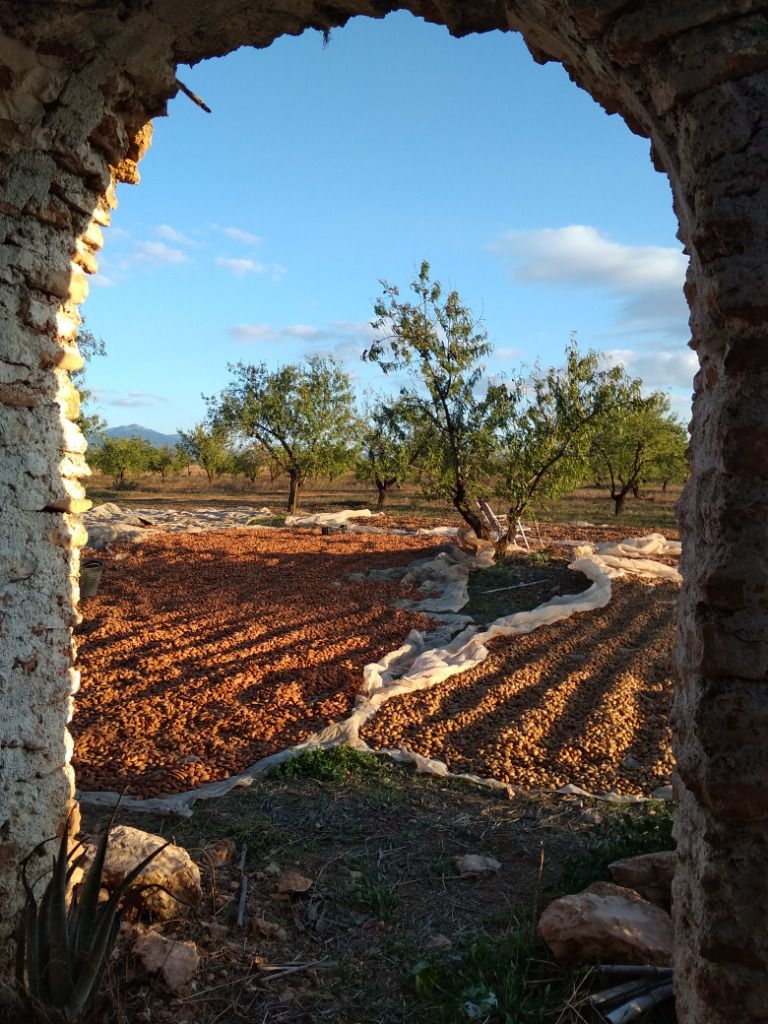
623 834
336 766
498 980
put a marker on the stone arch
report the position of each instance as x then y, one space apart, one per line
80 81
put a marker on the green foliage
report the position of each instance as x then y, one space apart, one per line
509 979
161 460
546 430
120 457
388 448
623 834
336 766
249 461
638 445
63 949
302 415
91 424
438 342
207 446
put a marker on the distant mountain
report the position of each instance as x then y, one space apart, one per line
136 430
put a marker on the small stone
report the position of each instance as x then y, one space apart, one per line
176 962
476 864
630 762
438 941
219 852
293 882
268 929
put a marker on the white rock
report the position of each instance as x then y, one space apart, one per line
176 962
650 874
173 869
606 921
476 864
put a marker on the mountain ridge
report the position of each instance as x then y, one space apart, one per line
154 437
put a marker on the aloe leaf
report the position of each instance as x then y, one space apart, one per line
40 951
90 970
60 974
84 916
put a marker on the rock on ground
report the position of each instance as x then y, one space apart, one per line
176 962
172 869
608 922
650 874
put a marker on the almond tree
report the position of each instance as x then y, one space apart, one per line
546 426
302 415
633 446
438 342
388 450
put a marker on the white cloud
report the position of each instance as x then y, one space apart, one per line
154 254
659 369
253 332
128 399
506 353
580 254
103 280
343 339
241 267
246 237
647 280
172 235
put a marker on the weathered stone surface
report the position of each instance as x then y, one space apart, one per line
650 874
176 962
609 923
172 869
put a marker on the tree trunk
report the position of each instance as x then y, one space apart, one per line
382 494
295 482
619 500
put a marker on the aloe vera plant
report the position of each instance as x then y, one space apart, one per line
62 949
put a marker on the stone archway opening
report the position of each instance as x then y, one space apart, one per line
81 83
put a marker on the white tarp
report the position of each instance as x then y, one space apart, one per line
110 524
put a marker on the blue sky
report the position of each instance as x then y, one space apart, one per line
260 232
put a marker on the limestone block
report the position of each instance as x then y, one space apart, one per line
607 922
650 874
173 869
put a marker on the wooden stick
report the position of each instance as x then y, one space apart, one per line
243 888
194 97
514 586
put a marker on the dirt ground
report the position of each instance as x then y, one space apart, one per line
386 929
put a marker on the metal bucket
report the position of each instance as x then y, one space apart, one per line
90 577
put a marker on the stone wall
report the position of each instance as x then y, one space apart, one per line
80 80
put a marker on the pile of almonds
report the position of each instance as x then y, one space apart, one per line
202 653
585 701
